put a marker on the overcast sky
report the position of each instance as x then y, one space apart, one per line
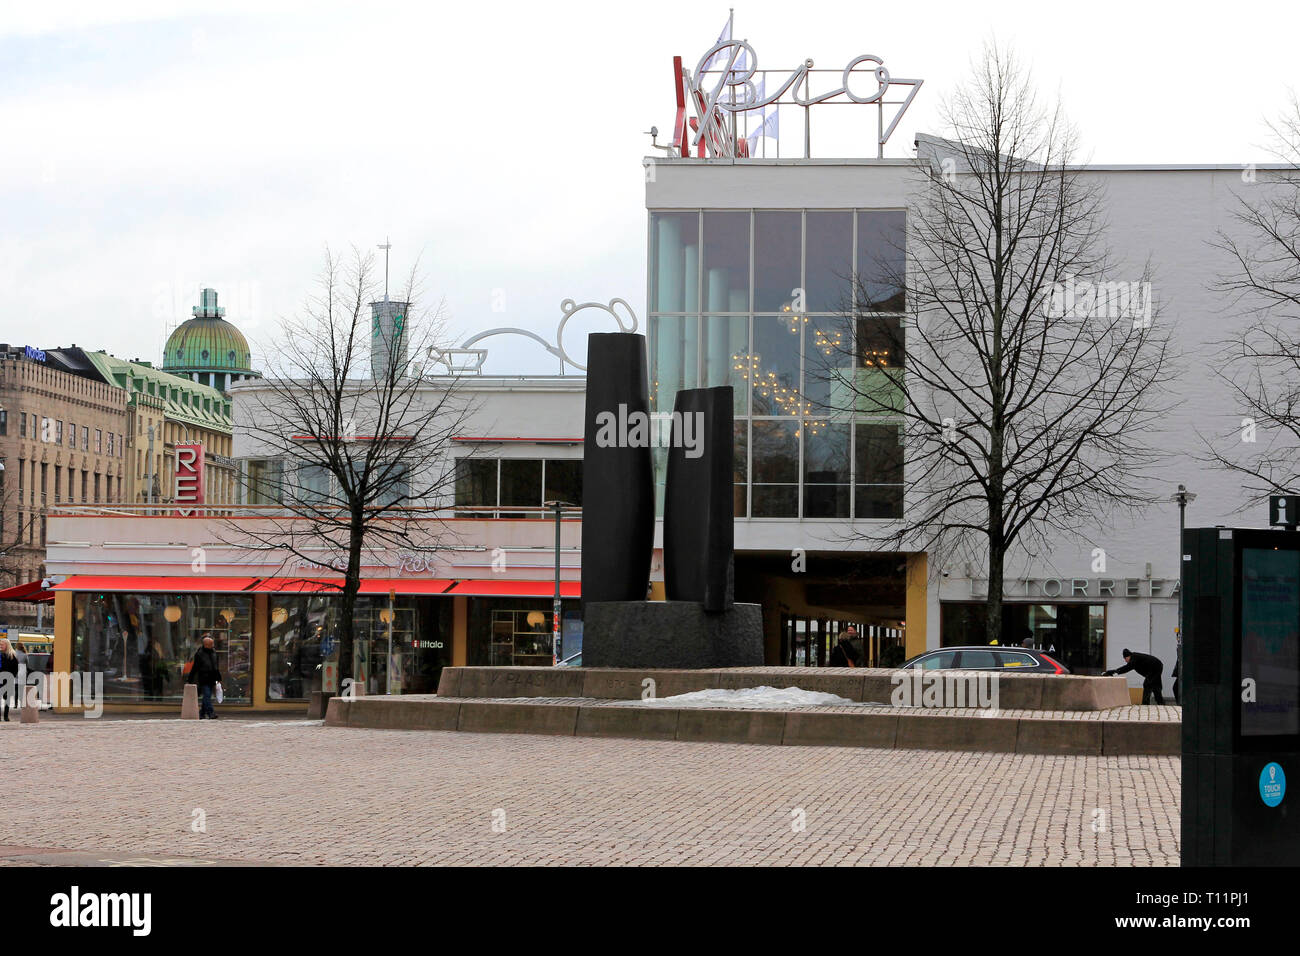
150 148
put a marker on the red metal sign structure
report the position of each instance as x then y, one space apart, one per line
189 478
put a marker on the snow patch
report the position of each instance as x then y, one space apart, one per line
755 698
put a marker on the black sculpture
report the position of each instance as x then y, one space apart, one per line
618 505
699 626
699 513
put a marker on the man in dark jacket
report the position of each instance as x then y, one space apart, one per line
1150 668
844 654
205 675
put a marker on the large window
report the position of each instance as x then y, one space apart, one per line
763 300
144 643
1072 633
485 485
262 478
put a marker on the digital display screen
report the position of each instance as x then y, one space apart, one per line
1270 642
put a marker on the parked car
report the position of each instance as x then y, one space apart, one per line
984 657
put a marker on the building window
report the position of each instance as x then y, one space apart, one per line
110 444
85 438
492 483
4 422
262 481
878 457
58 433
99 441
22 424
1074 634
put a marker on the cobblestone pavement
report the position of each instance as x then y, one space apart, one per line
292 791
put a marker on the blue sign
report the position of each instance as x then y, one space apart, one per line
1272 785
34 354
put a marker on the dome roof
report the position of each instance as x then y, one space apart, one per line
207 341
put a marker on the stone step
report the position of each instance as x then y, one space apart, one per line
1123 730
877 685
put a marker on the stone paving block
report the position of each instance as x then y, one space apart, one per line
984 734
645 723
478 716
1048 736
731 726
841 730
1140 737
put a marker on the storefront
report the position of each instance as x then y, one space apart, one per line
1072 632
277 639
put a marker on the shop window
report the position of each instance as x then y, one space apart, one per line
1072 633
144 643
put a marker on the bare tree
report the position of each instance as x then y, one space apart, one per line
361 432
1023 377
1262 361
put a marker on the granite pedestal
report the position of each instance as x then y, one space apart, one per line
678 634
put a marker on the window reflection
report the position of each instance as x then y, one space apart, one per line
778 241
675 245
774 366
878 464
829 265
881 260
726 262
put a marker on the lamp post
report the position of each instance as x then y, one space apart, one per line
556 645
1183 497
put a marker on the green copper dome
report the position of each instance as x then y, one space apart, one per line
207 342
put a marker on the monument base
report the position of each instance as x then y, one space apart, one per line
676 634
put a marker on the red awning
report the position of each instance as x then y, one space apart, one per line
31 592
541 589
205 584
148 584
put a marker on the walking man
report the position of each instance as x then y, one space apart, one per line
1150 668
205 675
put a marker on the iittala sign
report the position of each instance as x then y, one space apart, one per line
189 478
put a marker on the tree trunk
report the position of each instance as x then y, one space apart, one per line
348 604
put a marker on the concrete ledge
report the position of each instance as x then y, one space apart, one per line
643 723
337 712
1141 737
731 726
983 734
841 730
485 717
384 713
626 683
1015 691
517 681
1076 737
449 681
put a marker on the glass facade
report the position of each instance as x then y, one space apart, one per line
800 312
144 643
302 645
517 631
1073 633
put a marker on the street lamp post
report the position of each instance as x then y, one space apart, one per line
556 642
1184 498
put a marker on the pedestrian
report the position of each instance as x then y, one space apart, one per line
1149 667
844 654
205 675
8 685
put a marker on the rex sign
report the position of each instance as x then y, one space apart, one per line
189 478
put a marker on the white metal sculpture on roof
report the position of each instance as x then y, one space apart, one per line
467 359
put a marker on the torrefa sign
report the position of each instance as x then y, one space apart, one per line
189 478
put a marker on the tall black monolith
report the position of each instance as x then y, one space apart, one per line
618 507
699 529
